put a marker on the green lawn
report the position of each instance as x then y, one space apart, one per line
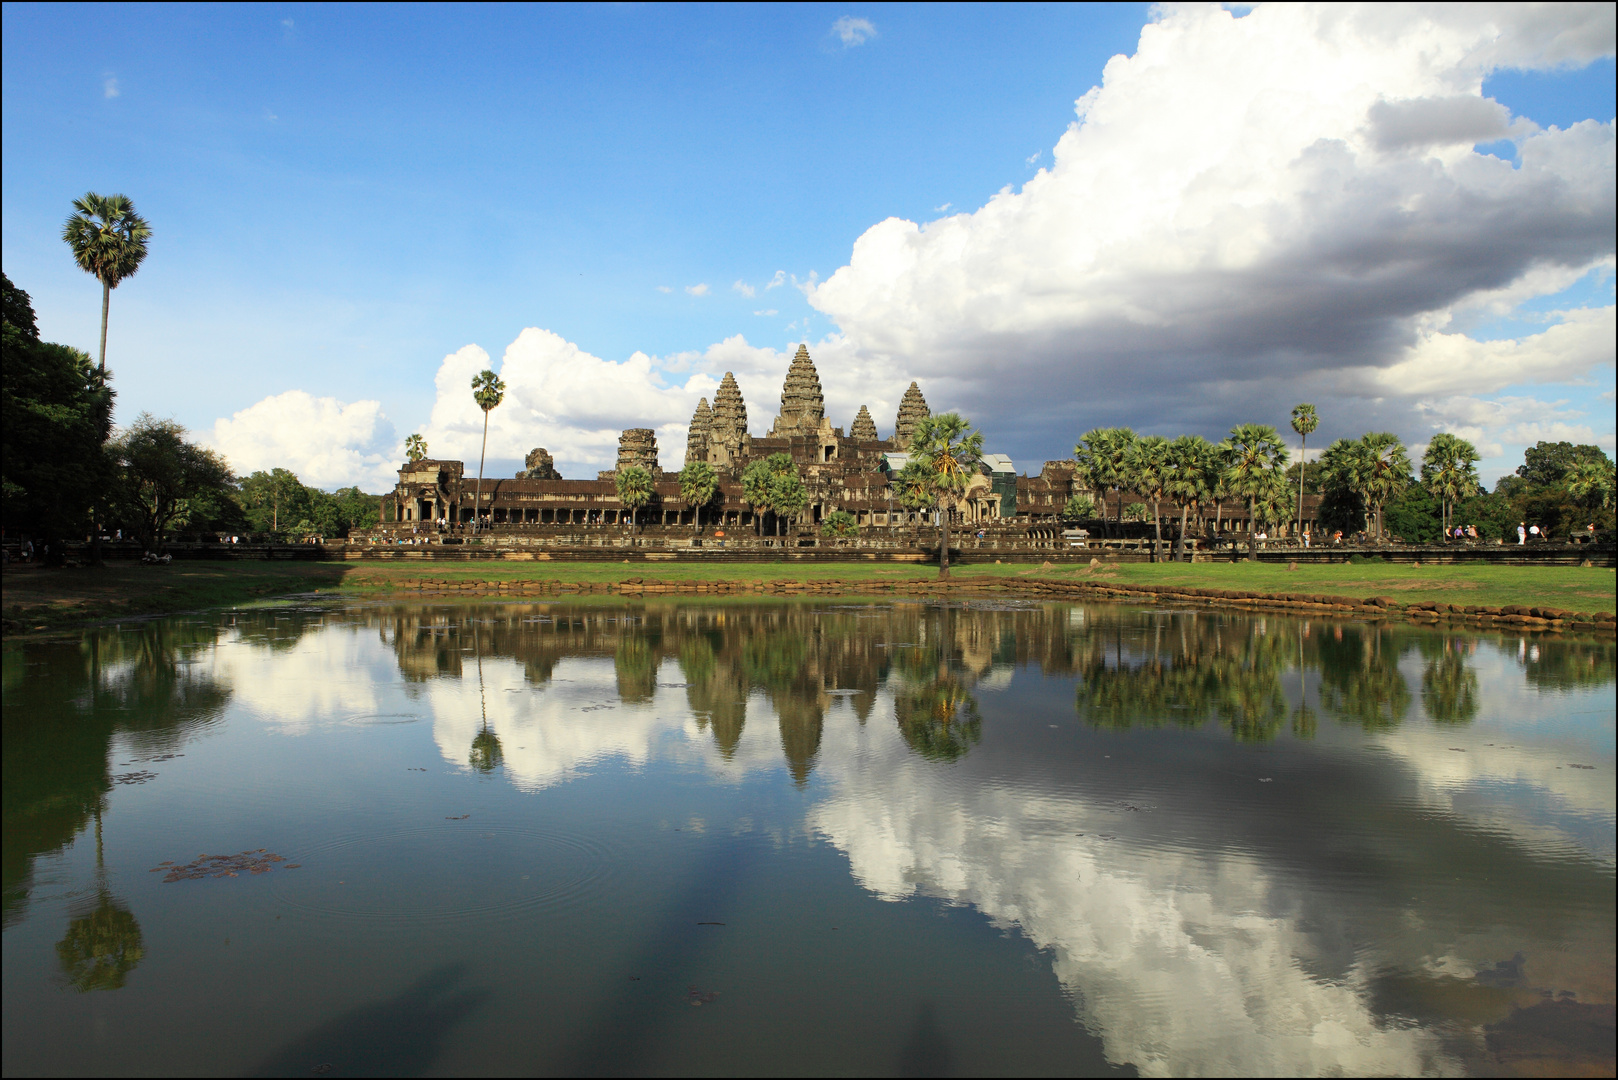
39 599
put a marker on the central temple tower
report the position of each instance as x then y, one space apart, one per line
803 406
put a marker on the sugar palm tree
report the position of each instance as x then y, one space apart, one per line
1149 469
1256 453
1591 483
488 391
1384 469
108 240
948 452
1304 422
698 485
1101 455
415 448
1191 475
634 490
1449 471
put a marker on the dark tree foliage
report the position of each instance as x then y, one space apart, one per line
1545 464
55 418
1311 477
277 503
1341 510
163 479
1414 516
1491 515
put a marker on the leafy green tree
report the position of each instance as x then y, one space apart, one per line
839 523
55 418
947 453
267 496
1101 455
108 239
1256 457
1384 472
634 490
1415 516
415 448
788 495
1449 473
1492 515
1148 465
488 391
1304 422
1342 504
1193 473
161 476
756 492
1079 508
1546 464
699 483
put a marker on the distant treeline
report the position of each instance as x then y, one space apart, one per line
67 475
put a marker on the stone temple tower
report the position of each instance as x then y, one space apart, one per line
864 429
698 434
727 436
803 406
911 410
638 446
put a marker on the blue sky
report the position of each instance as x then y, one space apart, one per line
344 198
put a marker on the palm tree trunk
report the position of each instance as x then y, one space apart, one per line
1252 529
106 303
1157 526
1303 467
477 506
943 547
1179 542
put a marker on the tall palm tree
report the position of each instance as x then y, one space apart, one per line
1384 471
948 452
108 240
1304 422
1256 453
698 485
1150 470
488 391
415 448
1191 475
1449 471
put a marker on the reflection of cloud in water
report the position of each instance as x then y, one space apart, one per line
1526 791
559 729
1179 966
330 674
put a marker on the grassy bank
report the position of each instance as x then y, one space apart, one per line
43 600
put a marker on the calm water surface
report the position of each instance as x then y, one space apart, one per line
806 838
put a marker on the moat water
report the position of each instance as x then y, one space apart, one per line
812 837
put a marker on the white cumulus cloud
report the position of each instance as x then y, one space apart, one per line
1250 209
744 288
326 442
853 31
697 290
109 86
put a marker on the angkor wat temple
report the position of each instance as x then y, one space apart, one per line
850 472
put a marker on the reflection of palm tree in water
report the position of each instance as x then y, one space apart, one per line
486 751
103 943
1303 720
938 716
1449 687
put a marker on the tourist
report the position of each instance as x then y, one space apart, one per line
1471 532
1522 534
1306 538
1533 530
